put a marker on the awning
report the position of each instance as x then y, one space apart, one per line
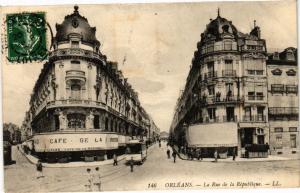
212 135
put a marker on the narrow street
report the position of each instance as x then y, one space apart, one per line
156 173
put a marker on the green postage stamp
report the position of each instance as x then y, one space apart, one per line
26 33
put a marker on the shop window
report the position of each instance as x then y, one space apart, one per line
293 129
278 129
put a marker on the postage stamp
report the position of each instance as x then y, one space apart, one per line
26 34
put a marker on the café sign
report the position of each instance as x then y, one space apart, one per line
75 142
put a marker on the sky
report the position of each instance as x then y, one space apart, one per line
158 42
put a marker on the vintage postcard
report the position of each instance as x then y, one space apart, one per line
149 97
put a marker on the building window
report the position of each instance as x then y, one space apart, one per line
76 121
251 72
227 45
291 89
293 140
276 72
259 96
251 95
291 72
279 141
278 129
211 90
74 44
211 113
293 129
259 72
277 88
75 91
96 122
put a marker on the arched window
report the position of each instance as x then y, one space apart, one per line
76 121
75 91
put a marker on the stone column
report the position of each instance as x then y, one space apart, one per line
90 121
62 121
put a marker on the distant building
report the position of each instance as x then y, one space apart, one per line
82 107
282 72
164 135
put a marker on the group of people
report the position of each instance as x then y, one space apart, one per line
94 180
169 154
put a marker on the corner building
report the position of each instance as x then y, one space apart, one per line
82 106
224 102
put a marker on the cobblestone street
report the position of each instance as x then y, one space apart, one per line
157 172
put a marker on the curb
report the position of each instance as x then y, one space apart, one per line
231 161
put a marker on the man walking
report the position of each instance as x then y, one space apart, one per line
97 180
233 152
131 164
39 169
216 156
168 153
174 156
115 159
89 184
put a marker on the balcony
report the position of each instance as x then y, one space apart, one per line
225 99
277 88
291 89
254 118
283 111
74 102
212 74
255 97
75 75
221 119
73 52
229 73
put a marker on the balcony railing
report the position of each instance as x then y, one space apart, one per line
217 119
75 74
283 110
74 52
255 97
225 99
212 74
229 73
291 89
254 118
277 88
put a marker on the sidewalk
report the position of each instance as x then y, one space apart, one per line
238 159
34 160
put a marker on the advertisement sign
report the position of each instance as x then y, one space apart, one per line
75 142
212 135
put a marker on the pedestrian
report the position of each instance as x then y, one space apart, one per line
89 184
131 164
234 153
168 153
97 180
39 169
174 156
200 155
216 156
115 159
268 148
